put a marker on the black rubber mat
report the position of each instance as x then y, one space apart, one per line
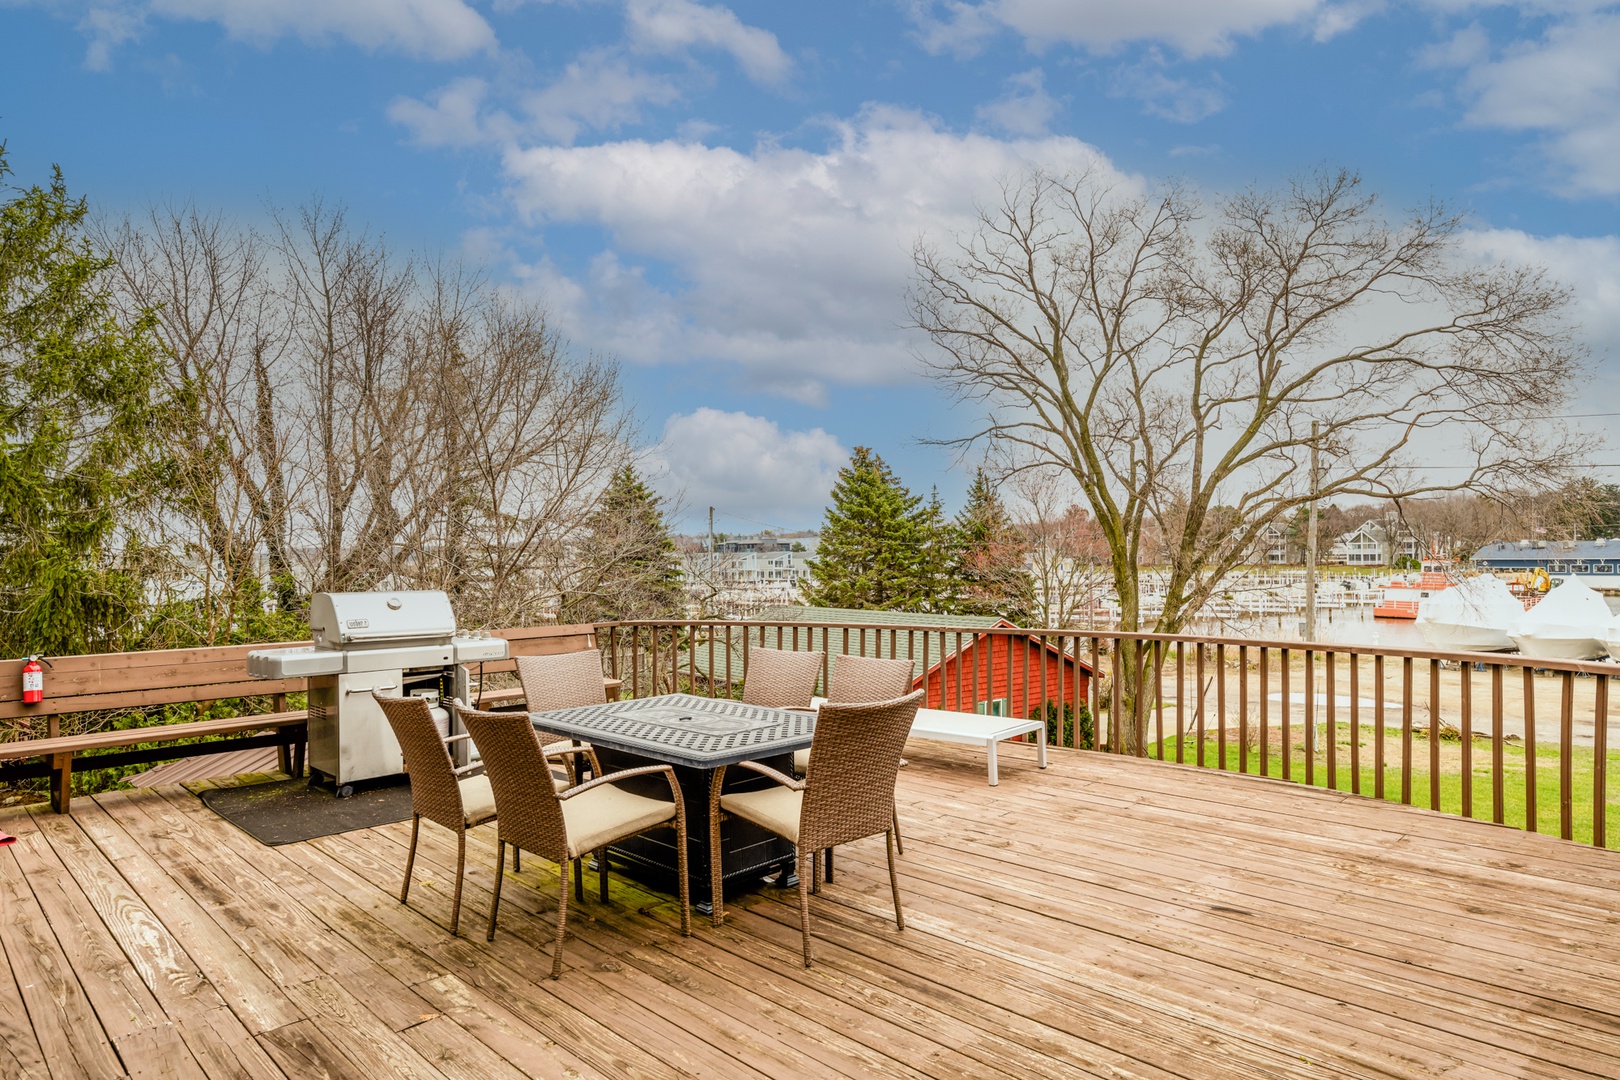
288 811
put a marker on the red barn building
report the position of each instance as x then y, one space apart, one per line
964 667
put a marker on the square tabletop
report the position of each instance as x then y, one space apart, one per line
684 729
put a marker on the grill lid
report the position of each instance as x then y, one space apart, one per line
371 619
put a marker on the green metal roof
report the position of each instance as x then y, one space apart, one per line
842 632
851 616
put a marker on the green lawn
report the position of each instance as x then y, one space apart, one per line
1548 764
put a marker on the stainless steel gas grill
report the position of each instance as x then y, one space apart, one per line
392 642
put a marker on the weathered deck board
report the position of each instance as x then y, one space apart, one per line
1105 917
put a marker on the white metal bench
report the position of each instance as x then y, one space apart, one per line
979 730
975 729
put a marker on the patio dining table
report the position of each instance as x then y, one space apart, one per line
697 735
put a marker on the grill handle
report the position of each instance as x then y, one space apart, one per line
370 689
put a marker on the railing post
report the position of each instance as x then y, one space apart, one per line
1406 731
1138 717
1497 753
1566 758
635 660
1434 734
1158 697
1243 709
1287 718
1530 812
1310 717
1378 726
1465 703
1115 705
1198 708
1600 761
1265 710
1355 723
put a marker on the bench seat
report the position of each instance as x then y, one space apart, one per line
288 731
978 729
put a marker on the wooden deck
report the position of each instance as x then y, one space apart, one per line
1107 917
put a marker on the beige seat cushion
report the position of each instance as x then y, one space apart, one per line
608 813
477 800
775 808
801 762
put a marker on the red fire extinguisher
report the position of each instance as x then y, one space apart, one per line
33 682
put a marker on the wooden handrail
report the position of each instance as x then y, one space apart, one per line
1185 698
1196 695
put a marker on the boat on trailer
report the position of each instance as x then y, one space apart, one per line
1570 623
1477 614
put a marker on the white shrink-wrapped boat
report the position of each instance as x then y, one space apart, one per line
1568 624
1611 638
1475 615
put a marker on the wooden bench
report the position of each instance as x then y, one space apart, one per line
975 729
117 681
287 731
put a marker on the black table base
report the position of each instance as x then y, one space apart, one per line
748 852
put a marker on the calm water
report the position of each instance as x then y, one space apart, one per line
1342 626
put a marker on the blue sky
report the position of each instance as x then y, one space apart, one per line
724 196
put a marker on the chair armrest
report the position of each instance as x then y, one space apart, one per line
468 770
765 770
455 738
563 749
624 774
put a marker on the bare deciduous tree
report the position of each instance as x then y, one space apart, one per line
1068 559
209 286
363 421
1173 367
1181 371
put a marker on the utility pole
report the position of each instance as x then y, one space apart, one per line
1310 547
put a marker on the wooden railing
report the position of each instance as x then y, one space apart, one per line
1518 741
1514 740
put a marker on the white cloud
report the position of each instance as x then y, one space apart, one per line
431 29
108 27
734 461
1025 108
667 26
436 29
791 264
1564 85
1193 27
1162 95
1590 266
450 119
598 90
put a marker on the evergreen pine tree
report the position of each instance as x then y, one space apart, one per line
628 564
879 545
82 427
936 587
988 564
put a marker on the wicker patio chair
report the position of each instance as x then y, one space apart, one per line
856 679
566 826
439 791
848 796
781 679
562 681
